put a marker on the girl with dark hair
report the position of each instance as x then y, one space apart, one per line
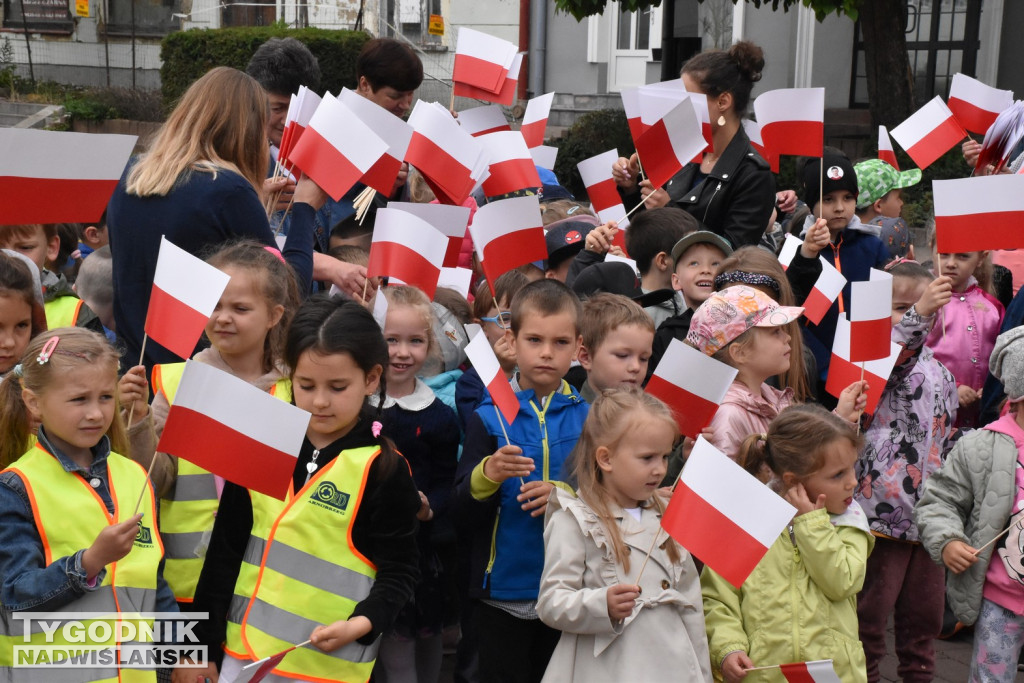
732 190
336 560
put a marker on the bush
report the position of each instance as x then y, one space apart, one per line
187 55
98 104
593 133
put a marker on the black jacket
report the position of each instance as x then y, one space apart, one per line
735 200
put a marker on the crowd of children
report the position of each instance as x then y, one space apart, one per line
535 539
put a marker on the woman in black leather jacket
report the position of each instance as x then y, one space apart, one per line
732 191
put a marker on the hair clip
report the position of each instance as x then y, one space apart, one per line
897 261
18 370
276 253
44 355
375 427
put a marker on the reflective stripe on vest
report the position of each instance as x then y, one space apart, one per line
300 570
188 510
62 312
129 585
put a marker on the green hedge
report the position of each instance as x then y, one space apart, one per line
187 55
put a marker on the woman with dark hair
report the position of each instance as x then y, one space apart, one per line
732 190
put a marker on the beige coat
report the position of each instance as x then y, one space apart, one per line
664 638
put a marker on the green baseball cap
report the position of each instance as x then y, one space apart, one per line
876 178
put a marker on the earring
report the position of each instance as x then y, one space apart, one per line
721 121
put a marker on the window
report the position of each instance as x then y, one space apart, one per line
253 13
39 15
151 17
634 31
942 39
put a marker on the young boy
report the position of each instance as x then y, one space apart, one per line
93 236
853 248
41 244
502 487
881 189
95 286
617 336
565 239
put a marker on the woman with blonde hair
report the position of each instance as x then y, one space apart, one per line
199 185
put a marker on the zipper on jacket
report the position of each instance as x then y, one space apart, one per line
708 207
793 591
545 470
494 548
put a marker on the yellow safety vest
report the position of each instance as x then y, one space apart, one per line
188 510
62 312
69 514
301 570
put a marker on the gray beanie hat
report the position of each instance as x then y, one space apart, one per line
1007 362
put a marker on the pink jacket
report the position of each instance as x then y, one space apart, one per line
742 414
972 320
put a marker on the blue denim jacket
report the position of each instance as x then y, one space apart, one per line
26 583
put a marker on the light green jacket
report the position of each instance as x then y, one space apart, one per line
800 602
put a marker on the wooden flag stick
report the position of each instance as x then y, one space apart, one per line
142 355
504 433
633 210
763 668
1000 534
647 557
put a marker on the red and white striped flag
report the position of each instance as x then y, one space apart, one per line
449 158
482 60
508 234
596 173
821 671
258 437
842 372
58 177
790 246
634 118
258 670
692 384
337 148
792 121
670 143
511 164
824 293
391 129
185 292
506 95
871 317
929 133
658 99
408 248
483 120
300 110
724 515
450 221
885 151
535 120
482 357
976 105
973 214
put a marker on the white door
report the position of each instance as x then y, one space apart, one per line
632 36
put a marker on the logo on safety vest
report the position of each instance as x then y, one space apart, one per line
329 497
144 536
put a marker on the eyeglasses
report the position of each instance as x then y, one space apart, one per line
502 320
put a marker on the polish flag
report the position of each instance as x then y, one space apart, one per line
974 214
511 164
508 234
482 60
483 120
658 99
406 247
596 173
842 372
692 384
337 148
929 133
450 221
482 357
634 118
792 121
391 129
790 246
885 151
824 293
535 120
724 515
300 110
976 105
871 317
506 94
59 177
185 292
258 437
670 143
258 670
753 131
450 159
820 671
